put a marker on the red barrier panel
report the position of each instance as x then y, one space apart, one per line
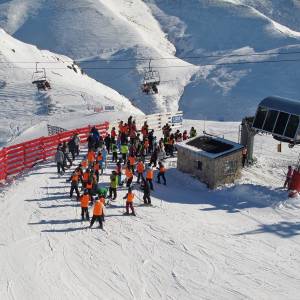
16 158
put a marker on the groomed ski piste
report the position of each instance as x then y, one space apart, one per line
237 242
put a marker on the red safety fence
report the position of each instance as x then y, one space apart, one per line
17 158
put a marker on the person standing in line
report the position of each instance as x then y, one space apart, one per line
129 201
140 170
161 173
84 203
149 176
74 183
114 153
113 185
65 150
97 214
129 175
146 196
59 159
77 143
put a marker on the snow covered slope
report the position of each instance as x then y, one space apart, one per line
23 106
114 39
96 29
201 29
238 242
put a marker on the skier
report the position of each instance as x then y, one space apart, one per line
140 170
107 141
77 143
131 160
114 153
113 135
90 157
59 158
74 183
104 156
84 203
289 176
153 158
124 152
149 176
161 173
97 214
72 147
113 185
65 150
129 176
129 202
146 189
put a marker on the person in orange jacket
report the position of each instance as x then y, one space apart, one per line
91 157
129 176
97 214
131 160
74 183
84 203
140 170
129 202
161 173
149 176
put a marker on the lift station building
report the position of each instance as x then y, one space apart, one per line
214 161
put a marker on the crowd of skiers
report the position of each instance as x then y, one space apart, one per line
132 152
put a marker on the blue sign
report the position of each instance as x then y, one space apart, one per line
176 119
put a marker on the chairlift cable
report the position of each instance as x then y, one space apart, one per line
169 67
158 58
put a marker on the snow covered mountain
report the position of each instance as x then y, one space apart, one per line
72 92
113 41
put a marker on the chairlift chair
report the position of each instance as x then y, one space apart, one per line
39 78
151 80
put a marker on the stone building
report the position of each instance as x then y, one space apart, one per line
215 161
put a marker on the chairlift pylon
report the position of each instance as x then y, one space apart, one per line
151 80
39 78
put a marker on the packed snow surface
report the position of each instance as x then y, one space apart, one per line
237 242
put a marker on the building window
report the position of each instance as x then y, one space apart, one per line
292 126
230 167
281 123
260 117
270 120
199 165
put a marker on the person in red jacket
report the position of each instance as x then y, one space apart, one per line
97 214
289 176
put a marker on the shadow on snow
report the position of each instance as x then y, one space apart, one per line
282 229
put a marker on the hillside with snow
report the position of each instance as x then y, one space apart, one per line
113 41
72 94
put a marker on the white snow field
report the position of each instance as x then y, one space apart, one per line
23 106
238 242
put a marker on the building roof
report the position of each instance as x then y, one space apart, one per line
211 147
282 104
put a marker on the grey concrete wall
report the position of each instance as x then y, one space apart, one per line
212 172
